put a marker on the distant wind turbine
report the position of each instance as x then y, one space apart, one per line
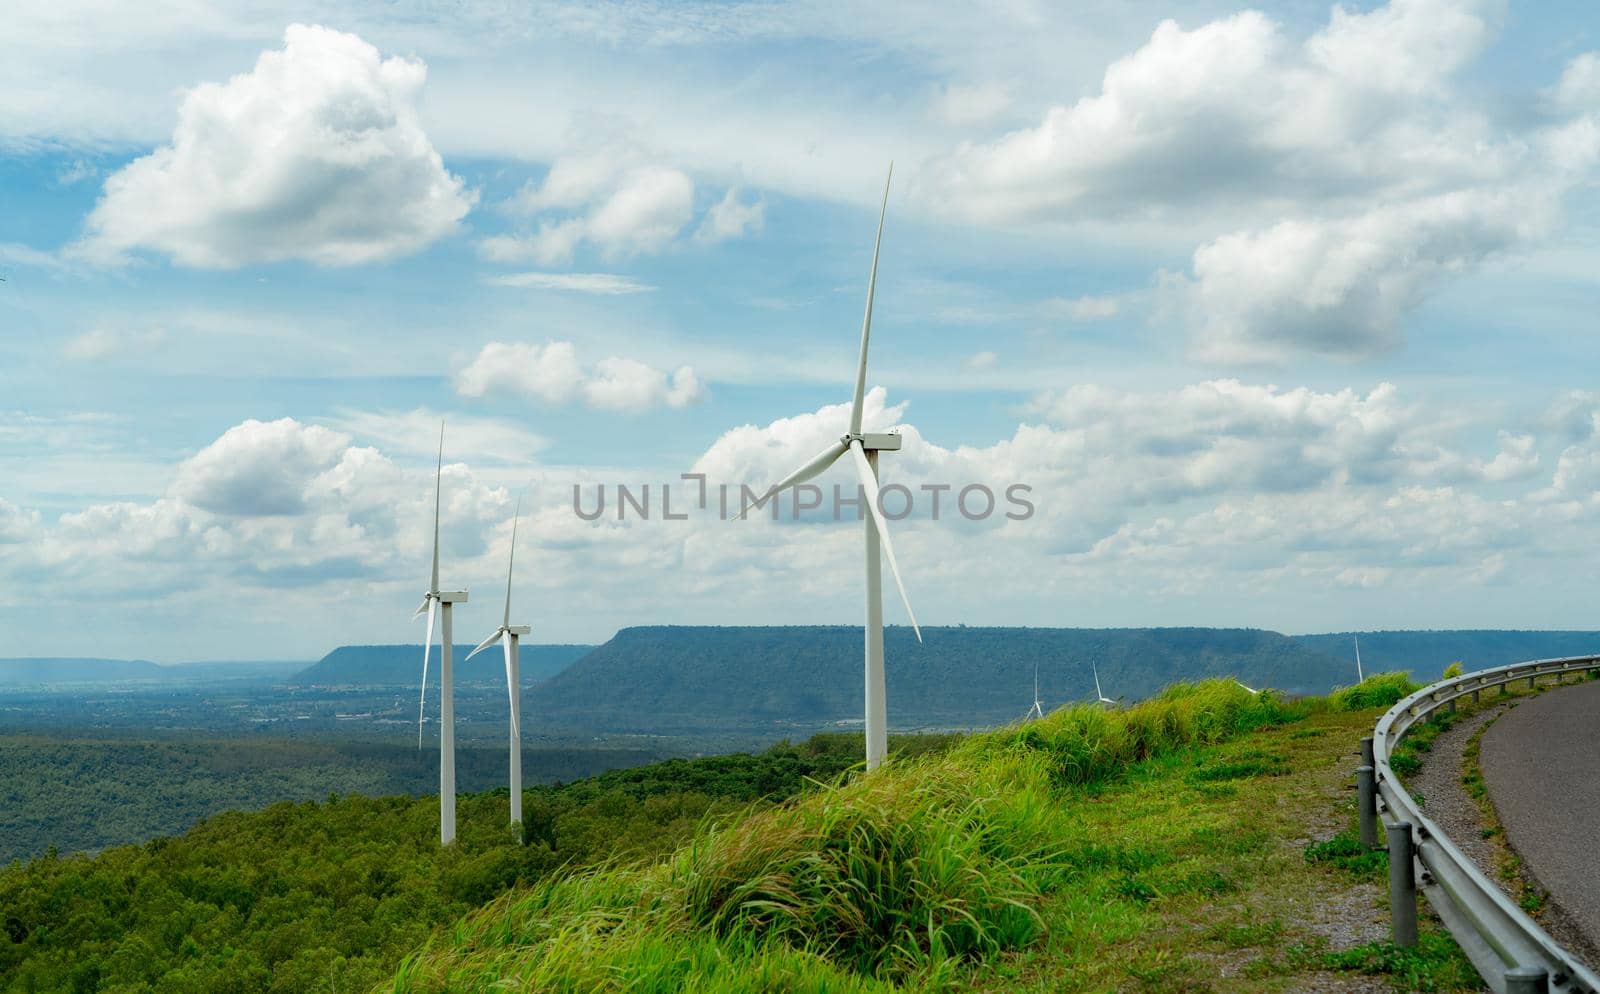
1037 711
1253 691
441 601
508 635
1100 697
1359 677
863 449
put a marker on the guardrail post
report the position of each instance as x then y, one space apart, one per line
1402 884
1366 751
1367 799
1475 698
1527 980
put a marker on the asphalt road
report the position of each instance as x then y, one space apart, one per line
1541 762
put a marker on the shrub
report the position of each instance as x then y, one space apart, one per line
1381 690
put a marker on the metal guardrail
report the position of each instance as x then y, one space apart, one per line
1511 952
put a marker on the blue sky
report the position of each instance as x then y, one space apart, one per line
1284 313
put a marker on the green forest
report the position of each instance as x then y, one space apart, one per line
329 895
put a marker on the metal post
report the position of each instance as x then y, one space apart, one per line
1367 800
1452 705
1527 980
1402 884
1366 751
1475 694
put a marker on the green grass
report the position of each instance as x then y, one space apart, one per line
936 872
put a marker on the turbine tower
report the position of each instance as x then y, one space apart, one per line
441 601
1100 697
508 635
1037 711
863 448
1359 677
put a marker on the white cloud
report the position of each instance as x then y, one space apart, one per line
1341 180
729 218
982 360
619 384
1341 287
549 372
103 343
1579 87
622 211
259 468
317 153
608 284
552 374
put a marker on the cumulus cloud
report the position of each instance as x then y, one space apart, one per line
317 153
259 468
551 373
731 218
1340 287
1342 178
622 211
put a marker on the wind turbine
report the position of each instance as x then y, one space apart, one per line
1359 677
1253 691
1037 711
441 601
863 448
507 635
1100 697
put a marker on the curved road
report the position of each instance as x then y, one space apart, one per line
1541 762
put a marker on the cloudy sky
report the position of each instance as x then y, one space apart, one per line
1285 314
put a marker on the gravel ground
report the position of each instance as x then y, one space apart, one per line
1444 799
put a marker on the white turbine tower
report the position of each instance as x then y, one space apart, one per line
1037 711
863 449
441 601
1359 677
508 635
1100 697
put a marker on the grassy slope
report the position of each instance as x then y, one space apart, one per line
1160 848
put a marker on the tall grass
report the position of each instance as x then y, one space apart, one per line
907 873
1381 690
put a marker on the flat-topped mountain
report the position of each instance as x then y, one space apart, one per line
699 678
401 665
1427 653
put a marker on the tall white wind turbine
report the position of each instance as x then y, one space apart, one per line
508 635
1037 711
862 449
1359 677
441 601
1099 695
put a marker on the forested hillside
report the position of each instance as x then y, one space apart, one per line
86 794
700 679
329 896
401 665
1427 653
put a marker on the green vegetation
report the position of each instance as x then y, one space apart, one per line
86 794
1381 690
919 877
324 896
1092 850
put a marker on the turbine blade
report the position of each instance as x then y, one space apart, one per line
1097 691
511 688
486 643
1359 677
427 646
511 562
869 481
818 463
438 483
866 321
422 607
